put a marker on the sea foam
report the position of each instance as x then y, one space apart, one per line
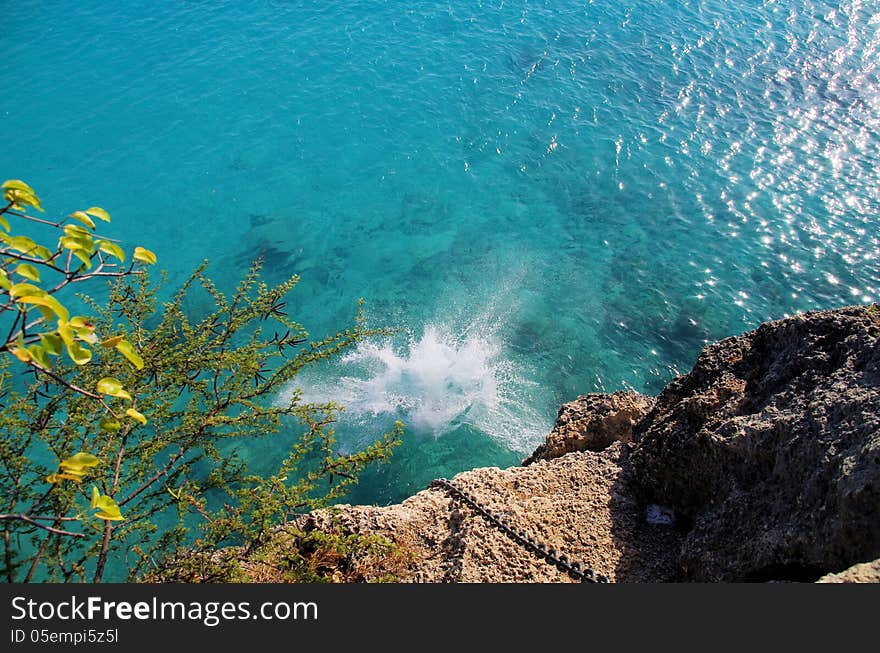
435 383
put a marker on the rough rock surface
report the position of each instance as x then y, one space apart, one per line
583 504
767 453
770 447
866 572
592 422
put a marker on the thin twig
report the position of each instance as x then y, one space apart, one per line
34 522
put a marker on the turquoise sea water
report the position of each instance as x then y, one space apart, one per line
548 198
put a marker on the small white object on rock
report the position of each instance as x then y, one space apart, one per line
660 515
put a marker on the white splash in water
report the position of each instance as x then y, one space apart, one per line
435 384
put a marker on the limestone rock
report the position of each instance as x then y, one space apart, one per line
866 572
592 422
770 447
582 504
762 463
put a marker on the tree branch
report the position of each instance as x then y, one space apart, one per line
34 522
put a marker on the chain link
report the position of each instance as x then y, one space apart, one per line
575 570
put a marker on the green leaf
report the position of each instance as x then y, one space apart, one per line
80 322
18 184
84 329
39 355
28 272
110 424
112 342
80 460
47 301
113 387
65 333
47 313
18 192
112 249
27 246
22 289
84 218
84 257
5 283
98 212
65 476
4 223
22 244
76 231
75 467
78 354
144 255
135 415
52 343
128 350
107 508
43 252
73 242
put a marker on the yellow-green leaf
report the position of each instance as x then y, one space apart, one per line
83 217
84 329
128 350
48 301
76 242
47 313
74 468
22 244
80 322
23 289
4 223
144 255
43 252
110 514
98 212
107 508
18 184
65 332
15 190
5 283
79 461
26 246
38 354
112 249
113 387
112 342
78 354
136 416
84 257
21 354
52 343
64 476
76 231
28 272
109 424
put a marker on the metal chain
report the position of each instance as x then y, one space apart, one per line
575 570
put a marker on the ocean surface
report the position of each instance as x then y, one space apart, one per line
547 198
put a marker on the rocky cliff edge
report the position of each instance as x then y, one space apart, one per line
761 464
